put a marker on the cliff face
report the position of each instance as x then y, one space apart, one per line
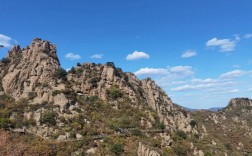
239 102
29 68
94 80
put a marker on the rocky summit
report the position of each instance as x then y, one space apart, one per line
97 109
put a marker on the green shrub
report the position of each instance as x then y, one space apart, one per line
155 115
193 123
122 122
125 122
156 143
110 64
228 146
72 70
118 72
140 91
91 99
114 93
72 134
1 86
117 149
113 124
61 73
180 151
32 95
49 118
6 60
181 134
94 81
55 135
162 126
6 123
79 71
208 154
196 136
70 94
29 122
137 132
107 140
56 92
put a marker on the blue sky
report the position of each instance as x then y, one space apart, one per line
198 51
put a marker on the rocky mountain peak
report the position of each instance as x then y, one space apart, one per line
41 49
14 52
24 68
237 102
32 74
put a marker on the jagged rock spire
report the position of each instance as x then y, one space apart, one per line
32 65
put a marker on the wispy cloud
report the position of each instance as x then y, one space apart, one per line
181 71
189 53
137 55
96 56
72 56
202 86
151 71
208 80
181 81
232 74
225 45
7 41
176 71
234 91
249 35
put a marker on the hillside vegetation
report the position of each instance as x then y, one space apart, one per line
97 109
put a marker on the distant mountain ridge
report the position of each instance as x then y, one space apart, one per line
214 109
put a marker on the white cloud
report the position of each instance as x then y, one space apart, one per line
151 71
249 35
72 56
96 56
189 53
176 72
234 91
181 70
183 88
226 45
193 87
181 81
7 41
211 86
137 55
165 82
209 80
237 37
233 74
